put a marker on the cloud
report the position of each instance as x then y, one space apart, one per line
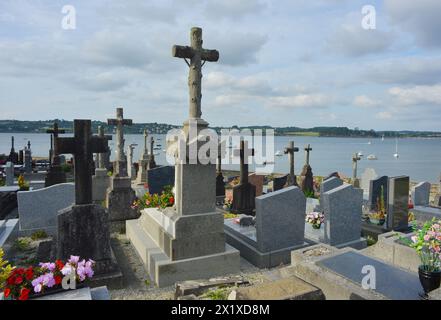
299 101
418 95
354 41
251 85
239 48
419 18
233 9
384 115
364 101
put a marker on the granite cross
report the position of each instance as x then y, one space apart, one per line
145 141
152 142
308 149
355 159
101 155
120 122
55 131
29 144
290 150
196 54
244 154
82 145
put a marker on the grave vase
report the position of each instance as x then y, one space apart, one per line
430 280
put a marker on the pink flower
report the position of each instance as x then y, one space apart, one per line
74 260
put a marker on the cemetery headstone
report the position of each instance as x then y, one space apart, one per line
55 173
257 181
38 209
342 210
83 229
13 156
131 171
378 188
101 180
244 193
9 171
191 241
143 162
368 175
28 159
290 150
330 184
355 180
421 194
398 203
307 176
120 195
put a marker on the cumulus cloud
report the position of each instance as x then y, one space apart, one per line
232 9
384 115
365 102
299 101
418 95
420 18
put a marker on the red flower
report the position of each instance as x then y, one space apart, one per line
59 264
11 280
19 280
7 292
29 273
58 279
171 200
24 294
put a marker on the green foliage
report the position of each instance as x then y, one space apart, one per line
217 294
67 168
5 269
23 244
109 173
309 194
2 183
163 200
370 241
40 234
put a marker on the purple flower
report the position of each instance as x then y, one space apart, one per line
74 260
67 269
47 266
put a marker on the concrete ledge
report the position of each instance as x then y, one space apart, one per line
6 230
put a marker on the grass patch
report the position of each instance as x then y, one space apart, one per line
304 134
38 235
217 294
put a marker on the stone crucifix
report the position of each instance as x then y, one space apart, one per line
244 154
121 161
54 131
308 149
146 151
355 159
196 54
83 145
152 163
102 156
290 150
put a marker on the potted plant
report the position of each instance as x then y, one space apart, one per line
22 184
427 243
160 201
377 218
315 219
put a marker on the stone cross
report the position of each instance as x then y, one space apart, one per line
244 154
145 141
12 144
55 131
290 150
355 159
83 145
307 149
152 163
196 54
29 144
13 156
120 122
101 156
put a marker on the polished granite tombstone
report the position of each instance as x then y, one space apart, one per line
391 282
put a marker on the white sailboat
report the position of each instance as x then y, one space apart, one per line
382 137
396 155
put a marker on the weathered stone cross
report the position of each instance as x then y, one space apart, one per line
101 161
83 145
196 54
55 131
355 159
308 149
290 150
120 164
145 142
244 154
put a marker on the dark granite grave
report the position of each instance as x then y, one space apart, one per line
392 282
160 177
398 203
279 182
244 194
375 192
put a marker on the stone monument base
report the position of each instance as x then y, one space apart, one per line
177 248
100 184
120 197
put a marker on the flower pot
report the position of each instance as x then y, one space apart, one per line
430 280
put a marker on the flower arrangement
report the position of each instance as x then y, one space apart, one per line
5 269
22 184
427 243
163 200
21 282
316 219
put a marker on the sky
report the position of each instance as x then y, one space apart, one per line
282 63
